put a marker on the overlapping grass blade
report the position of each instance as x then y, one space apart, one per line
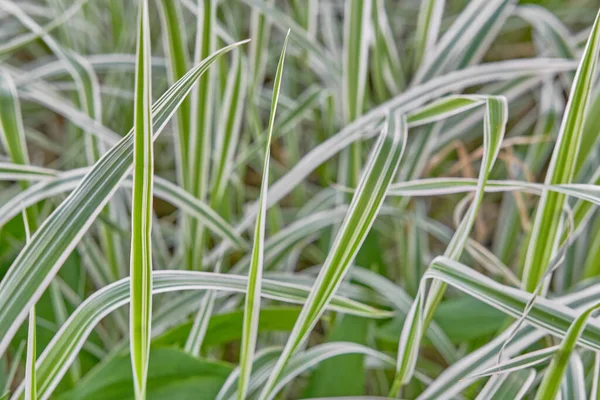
451 381
428 28
423 307
547 315
252 304
508 386
39 261
519 363
562 168
55 360
364 207
66 181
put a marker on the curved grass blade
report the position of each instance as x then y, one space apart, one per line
519 363
57 356
299 363
423 308
252 303
508 386
365 126
140 312
366 202
547 315
175 44
66 181
546 232
39 261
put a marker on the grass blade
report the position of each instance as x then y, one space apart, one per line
364 207
554 375
57 356
39 261
562 167
252 304
140 311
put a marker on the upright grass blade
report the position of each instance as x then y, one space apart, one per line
546 227
554 374
365 205
387 70
229 129
175 43
357 18
140 311
199 146
194 341
428 28
40 260
252 304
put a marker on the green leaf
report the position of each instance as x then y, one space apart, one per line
171 373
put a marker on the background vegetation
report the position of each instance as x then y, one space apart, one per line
367 198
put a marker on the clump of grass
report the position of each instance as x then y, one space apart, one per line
403 205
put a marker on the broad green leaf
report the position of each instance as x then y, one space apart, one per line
171 373
40 260
252 303
366 202
140 311
561 170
